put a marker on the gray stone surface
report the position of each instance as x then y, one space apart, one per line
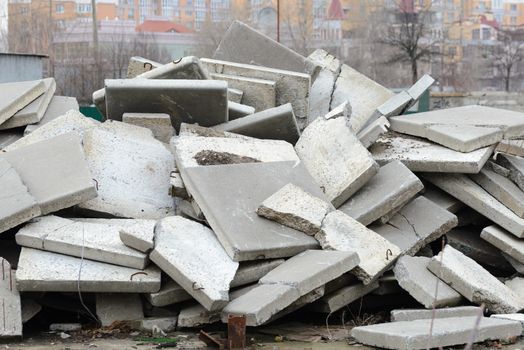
30 309
252 271
291 87
344 296
139 236
17 95
196 316
65 327
137 182
505 241
515 165
312 269
170 293
238 110
11 311
442 199
34 111
234 95
278 123
93 241
516 284
343 233
257 93
293 207
512 147
510 317
519 267
446 332
423 314
414 277
474 283
420 155
114 307
57 180
371 133
474 196
172 96
17 205
243 44
138 65
204 270
8 137
178 189
417 224
154 324
158 123
229 196
392 187
40 271
188 67
345 168
417 90
323 85
395 105
58 106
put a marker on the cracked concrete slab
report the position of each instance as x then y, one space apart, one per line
17 95
320 100
58 106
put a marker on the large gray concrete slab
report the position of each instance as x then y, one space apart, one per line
342 170
392 187
421 155
474 283
474 196
278 123
293 207
114 307
17 205
505 241
252 271
11 311
515 166
175 97
18 95
93 241
291 87
58 106
136 183
229 196
33 112
417 224
204 270
414 277
343 233
243 44
41 271
446 312
341 297
56 179
445 332
158 123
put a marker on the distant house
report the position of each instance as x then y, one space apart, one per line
162 26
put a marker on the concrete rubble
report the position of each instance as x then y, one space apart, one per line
263 183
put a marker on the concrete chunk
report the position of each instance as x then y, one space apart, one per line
395 105
170 293
158 123
345 168
58 106
40 271
251 271
511 317
442 199
18 95
342 297
30 309
392 187
446 312
238 110
204 270
322 86
295 208
138 65
512 147
446 332
371 133
343 233
518 266
474 282
234 95
276 123
504 241
139 236
11 311
419 88
113 307
515 165
414 277
516 284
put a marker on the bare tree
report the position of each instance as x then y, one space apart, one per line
510 53
298 23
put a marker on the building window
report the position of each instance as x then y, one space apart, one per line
83 8
131 13
486 34
59 8
513 7
513 20
475 34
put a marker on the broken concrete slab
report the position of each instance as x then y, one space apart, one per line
243 44
515 165
8 137
17 205
257 93
139 236
293 207
138 65
345 168
392 187
512 147
158 123
58 106
62 178
196 316
504 241
442 199
11 311
344 296
420 155
234 95
17 95
471 194
304 300
170 293
39 270
178 189
311 269
417 224
34 111
414 277
238 110
190 209
516 284
244 234
519 267
30 309
475 283
419 88
322 87
252 271
343 233
364 95
395 105
172 96
93 241
371 133
278 123
136 186
185 68
446 312
510 317
114 307
291 87
445 332
205 270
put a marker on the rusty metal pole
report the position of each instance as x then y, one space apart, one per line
278 20
236 332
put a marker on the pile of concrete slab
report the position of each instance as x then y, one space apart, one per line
260 184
